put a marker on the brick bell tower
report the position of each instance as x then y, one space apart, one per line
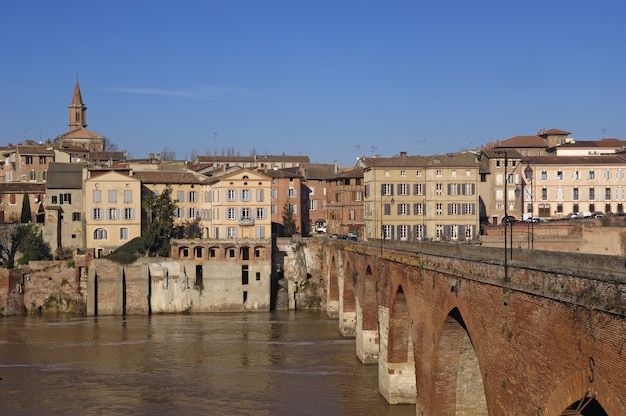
78 110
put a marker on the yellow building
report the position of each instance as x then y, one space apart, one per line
112 210
239 206
413 198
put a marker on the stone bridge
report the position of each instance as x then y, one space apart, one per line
466 330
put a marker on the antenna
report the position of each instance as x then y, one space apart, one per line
603 133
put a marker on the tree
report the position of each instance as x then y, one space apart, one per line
160 210
289 225
24 239
27 215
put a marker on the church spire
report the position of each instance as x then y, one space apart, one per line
78 110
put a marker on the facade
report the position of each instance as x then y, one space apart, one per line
12 196
413 198
497 198
563 185
239 206
190 192
263 163
65 221
345 203
112 210
289 191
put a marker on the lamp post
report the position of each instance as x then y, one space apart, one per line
528 172
382 229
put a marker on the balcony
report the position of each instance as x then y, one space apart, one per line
246 222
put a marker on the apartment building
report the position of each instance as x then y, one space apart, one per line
112 210
345 203
501 186
563 185
239 206
421 197
289 191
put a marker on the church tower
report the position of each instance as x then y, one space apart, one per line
78 110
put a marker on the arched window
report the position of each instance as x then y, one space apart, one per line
100 234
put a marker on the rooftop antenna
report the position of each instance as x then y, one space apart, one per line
214 147
603 133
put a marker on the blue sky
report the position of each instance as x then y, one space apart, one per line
332 80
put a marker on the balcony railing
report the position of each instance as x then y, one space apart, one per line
246 221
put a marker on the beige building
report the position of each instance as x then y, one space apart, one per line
239 206
500 197
582 185
112 210
421 197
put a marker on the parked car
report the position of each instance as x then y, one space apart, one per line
598 214
508 219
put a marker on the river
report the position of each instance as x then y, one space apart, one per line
278 363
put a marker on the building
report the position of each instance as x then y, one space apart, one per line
210 164
413 198
581 185
65 221
289 192
500 197
239 206
112 209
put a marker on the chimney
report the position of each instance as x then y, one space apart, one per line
403 155
336 167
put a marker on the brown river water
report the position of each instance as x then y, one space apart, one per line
278 363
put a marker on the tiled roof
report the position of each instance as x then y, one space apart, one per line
39 150
65 176
319 171
524 141
21 187
575 160
284 173
604 143
161 177
554 132
80 133
252 159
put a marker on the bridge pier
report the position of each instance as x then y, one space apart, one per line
396 376
367 343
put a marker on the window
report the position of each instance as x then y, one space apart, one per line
607 193
128 196
231 213
418 173
53 199
419 232
123 233
387 189
591 175
351 215
274 193
246 195
259 195
231 195
112 196
245 213
29 160
403 230
313 205
75 216
96 195
112 213
453 209
386 232
403 209
274 209
468 232
358 196
129 213
454 232
403 173
468 209
544 194
244 274
292 193
65 198
260 213
100 234
231 232
192 196
419 189
438 231
179 213
439 189
403 189
96 213
544 175
438 209
438 173
191 213
418 209
575 195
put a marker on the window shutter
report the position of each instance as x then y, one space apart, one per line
61 199
461 235
382 189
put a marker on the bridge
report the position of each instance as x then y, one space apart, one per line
468 330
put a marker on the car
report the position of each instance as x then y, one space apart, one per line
598 214
572 216
508 219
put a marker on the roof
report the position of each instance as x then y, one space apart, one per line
80 133
38 150
65 176
604 143
463 159
284 173
77 98
575 160
161 177
252 159
524 141
553 132
21 187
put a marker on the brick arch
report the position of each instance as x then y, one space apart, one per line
579 387
399 332
349 279
456 371
369 301
333 283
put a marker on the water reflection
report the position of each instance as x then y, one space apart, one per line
281 363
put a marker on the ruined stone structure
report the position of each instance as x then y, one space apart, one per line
459 331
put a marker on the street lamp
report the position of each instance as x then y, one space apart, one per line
383 235
505 220
528 172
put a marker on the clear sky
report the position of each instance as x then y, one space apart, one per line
329 79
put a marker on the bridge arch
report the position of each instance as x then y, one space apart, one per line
367 338
585 393
396 364
347 299
456 371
